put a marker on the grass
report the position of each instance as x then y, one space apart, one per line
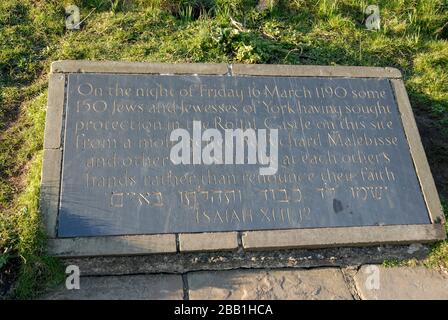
413 38
438 257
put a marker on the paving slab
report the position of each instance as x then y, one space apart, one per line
315 284
417 283
136 287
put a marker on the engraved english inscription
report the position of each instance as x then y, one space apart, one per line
343 159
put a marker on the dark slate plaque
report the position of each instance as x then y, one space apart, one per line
343 156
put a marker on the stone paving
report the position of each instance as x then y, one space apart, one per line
404 283
365 283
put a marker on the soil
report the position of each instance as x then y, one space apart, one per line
436 149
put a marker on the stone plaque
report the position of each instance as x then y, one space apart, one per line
158 154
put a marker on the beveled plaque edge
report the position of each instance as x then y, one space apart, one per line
418 155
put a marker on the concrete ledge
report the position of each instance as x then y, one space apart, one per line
350 236
422 168
84 66
314 71
55 108
114 245
50 187
208 241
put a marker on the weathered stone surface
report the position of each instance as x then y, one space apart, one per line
274 284
225 260
401 283
208 241
136 287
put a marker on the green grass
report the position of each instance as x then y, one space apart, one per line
413 38
438 257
